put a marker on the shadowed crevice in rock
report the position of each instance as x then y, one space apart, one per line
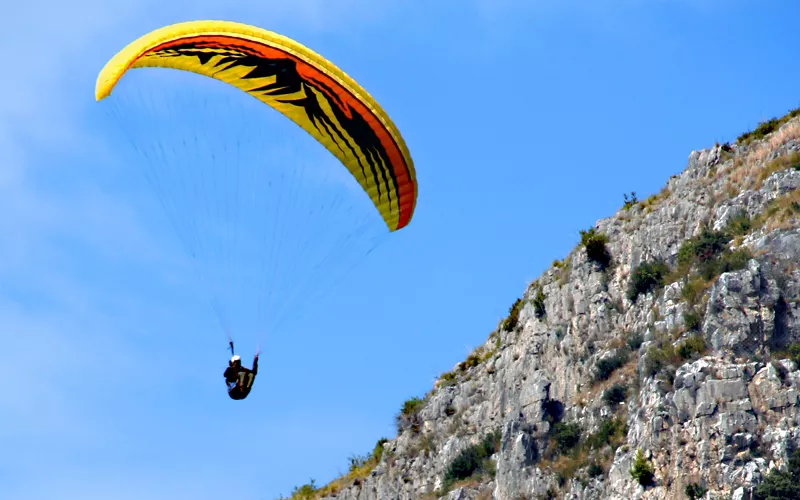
780 331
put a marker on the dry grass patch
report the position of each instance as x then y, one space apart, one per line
594 452
649 203
473 482
564 271
782 162
486 494
624 374
617 343
750 171
782 213
695 289
567 465
360 468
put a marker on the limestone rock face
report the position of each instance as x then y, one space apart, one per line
720 416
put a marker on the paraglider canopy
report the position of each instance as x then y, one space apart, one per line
299 83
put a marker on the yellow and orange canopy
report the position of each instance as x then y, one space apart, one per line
302 85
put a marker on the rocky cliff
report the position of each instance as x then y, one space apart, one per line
658 360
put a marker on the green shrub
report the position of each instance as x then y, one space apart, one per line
709 250
692 320
377 452
725 262
612 432
690 346
736 260
595 245
513 316
538 304
740 224
615 394
642 469
647 277
566 436
448 379
568 454
709 243
663 360
634 341
304 492
686 253
694 491
693 289
411 406
710 270
779 485
473 360
472 460
658 358
606 366
595 470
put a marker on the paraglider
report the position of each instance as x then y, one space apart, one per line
285 238
238 378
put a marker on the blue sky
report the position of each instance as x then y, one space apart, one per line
527 121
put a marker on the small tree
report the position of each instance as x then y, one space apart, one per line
630 201
778 484
647 277
474 459
409 415
642 469
595 245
